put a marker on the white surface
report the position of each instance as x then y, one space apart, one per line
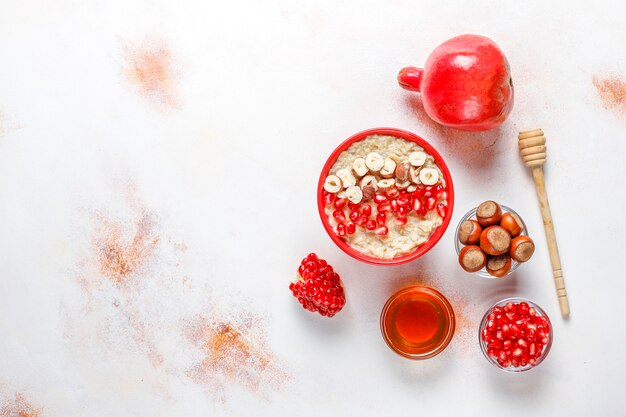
271 88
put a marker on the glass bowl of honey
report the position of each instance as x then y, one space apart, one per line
417 322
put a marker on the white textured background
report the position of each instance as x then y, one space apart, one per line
264 91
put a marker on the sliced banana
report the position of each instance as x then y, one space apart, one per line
332 184
369 180
386 184
374 161
414 175
354 194
359 167
429 176
417 158
389 168
346 177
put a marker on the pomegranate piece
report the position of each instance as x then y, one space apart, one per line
381 231
329 198
341 229
354 216
341 203
367 210
318 287
442 210
339 215
350 228
370 225
381 219
516 334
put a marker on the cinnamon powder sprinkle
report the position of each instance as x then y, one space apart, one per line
235 352
612 91
19 407
118 258
149 66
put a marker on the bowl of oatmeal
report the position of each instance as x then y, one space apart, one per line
385 196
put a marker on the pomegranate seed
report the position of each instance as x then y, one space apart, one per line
439 190
381 219
402 211
416 204
428 194
394 205
380 198
401 221
532 312
429 188
341 229
522 343
350 228
392 192
384 208
419 192
430 203
442 209
367 210
354 206
362 220
403 200
339 215
370 225
507 344
320 290
381 231
354 216
328 198
340 203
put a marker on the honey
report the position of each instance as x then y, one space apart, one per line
417 322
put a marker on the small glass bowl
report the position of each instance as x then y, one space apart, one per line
440 307
471 215
483 344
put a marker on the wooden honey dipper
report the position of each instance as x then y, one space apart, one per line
532 145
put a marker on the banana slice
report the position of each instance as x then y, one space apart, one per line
417 158
354 194
429 176
386 184
359 167
374 161
369 180
346 177
332 184
389 168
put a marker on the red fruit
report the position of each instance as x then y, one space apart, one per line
442 209
354 216
362 220
339 215
340 203
380 198
430 203
350 228
382 231
370 225
400 221
354 206
318 287
384 208
381 219
329 198
367 210
416 204
465 84
341 229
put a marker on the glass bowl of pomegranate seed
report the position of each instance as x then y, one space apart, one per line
515 335
507 266
385 196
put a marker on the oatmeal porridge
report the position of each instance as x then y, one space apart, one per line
385 196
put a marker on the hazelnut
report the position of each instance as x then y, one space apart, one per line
488 213
494 240
499 266
471 258
511 223
522 248
469 232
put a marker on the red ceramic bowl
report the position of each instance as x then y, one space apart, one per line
419 251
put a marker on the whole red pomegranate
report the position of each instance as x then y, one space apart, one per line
466 83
